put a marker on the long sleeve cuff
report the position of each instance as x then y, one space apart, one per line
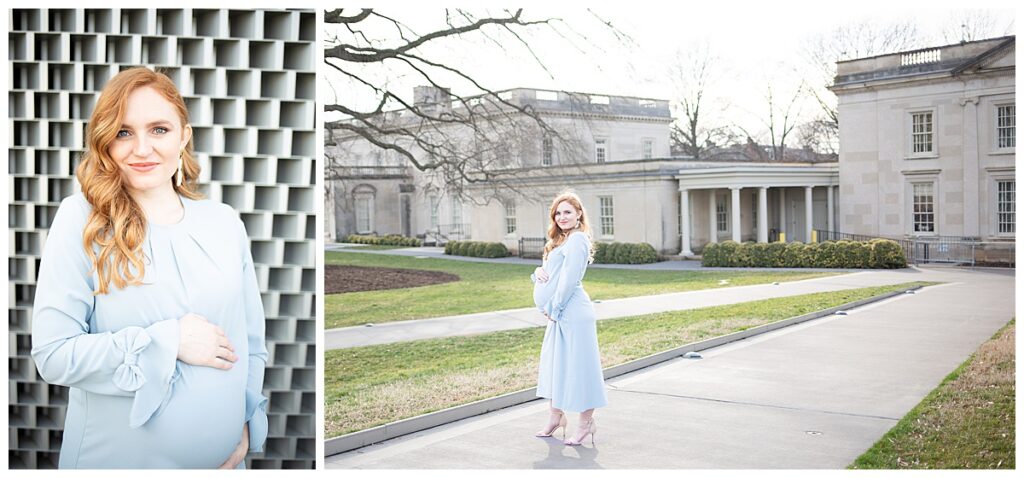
256 417
552 311
150 360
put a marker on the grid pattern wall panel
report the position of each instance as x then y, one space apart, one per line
248 78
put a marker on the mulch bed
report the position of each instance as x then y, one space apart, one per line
339 279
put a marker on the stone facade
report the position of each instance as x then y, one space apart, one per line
939 121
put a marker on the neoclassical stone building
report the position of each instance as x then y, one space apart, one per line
618 161
928 142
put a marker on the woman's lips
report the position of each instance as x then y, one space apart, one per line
143 167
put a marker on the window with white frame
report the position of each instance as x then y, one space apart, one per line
435 204
1006 209
601 150
364 212
721 214
922 128
1006 126
456 215
753 200
924 207
547 151
607 216
510 217
647 148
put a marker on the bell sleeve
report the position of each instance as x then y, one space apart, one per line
136 362
255 402
577 253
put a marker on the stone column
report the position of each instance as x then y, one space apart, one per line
831 209
782 212
762 214
712 215
684 222
808 213
972 193
735 214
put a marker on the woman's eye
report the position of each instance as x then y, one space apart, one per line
160 130
123 133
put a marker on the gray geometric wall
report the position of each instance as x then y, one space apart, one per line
248 78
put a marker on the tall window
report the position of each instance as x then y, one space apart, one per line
548 152
364 213
456 211
607 216
922 132
754 200
1006 126
601 150
434 206
721 215
510 217
1006 210
924 207
647 148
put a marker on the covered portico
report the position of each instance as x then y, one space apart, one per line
743 201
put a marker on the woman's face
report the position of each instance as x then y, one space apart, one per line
150 141
566 216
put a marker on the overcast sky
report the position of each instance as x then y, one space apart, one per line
754 42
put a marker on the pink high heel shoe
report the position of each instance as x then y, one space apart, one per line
591 430
562 423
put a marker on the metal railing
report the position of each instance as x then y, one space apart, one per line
531 247
942 249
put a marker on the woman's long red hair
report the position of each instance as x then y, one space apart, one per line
556 236
116 227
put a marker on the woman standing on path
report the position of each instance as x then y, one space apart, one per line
570 364
147 303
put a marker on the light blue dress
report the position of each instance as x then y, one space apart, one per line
570 363
132 403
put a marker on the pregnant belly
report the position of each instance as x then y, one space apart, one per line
542 293
198 427
204 416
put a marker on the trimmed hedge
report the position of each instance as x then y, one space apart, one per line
873 254
489 250
624 253
389 240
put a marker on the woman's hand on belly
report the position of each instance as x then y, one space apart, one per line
204 344
541 275
239 454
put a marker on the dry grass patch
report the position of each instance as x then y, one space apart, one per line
967 422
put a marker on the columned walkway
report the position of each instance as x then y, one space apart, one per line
772 187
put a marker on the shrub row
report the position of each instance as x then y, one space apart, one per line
475 249
389 240
624 253
873 254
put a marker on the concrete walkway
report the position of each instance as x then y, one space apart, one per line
815 395
469 324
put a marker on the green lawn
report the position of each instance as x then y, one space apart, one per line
967 422
378 247
486 287
370 386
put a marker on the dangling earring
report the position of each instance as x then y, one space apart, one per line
178 178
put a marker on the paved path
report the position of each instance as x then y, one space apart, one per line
815 395
469 324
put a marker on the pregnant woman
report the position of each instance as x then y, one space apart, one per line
147 304
570 363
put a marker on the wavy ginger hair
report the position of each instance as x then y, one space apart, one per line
116 227
556 236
